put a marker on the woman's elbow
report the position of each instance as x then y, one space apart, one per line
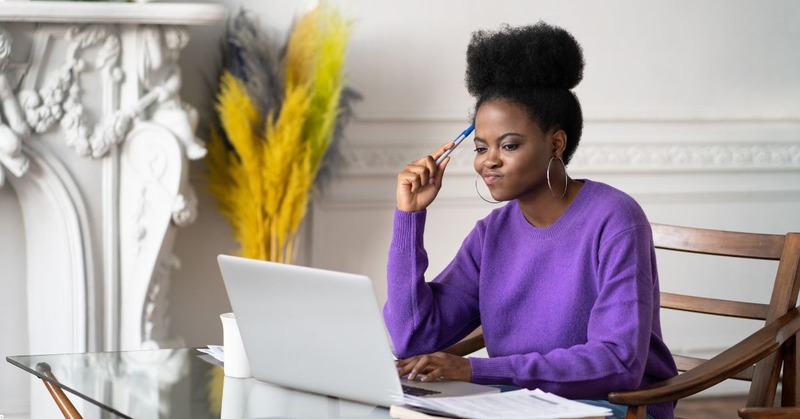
629 378
627 381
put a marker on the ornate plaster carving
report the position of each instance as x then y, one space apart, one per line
155 197
184 209
160 76
59 98
13 130
148 178
155 321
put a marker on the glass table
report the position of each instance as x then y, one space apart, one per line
181 383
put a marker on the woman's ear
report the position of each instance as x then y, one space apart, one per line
559 142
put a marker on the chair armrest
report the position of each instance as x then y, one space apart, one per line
769 412
744 354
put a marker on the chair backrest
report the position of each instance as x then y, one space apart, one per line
782 248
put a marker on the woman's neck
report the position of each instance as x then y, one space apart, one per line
545 209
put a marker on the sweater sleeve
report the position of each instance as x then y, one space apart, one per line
618 335
424 317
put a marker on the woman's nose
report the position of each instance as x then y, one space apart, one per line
491 160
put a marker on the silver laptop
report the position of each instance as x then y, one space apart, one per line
319 331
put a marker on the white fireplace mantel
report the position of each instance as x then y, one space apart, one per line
95 141
112 13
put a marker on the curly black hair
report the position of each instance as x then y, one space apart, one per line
535 66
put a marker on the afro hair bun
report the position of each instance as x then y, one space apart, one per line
533 56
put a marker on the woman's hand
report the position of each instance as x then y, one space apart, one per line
420 181
436 366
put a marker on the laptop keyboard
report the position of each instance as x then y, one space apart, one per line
417 391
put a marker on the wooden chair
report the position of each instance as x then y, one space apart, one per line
758 358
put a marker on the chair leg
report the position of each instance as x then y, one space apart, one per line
636 412
61 399
789 396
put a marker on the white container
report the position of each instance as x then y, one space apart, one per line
236 363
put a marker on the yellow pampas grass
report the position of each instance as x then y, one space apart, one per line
216 382
262 168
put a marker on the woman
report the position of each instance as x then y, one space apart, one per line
563 277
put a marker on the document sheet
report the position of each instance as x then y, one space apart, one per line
531 404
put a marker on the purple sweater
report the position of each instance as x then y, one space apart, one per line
572 308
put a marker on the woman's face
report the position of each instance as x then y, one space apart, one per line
511 151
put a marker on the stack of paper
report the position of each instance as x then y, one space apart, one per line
216 351
530 404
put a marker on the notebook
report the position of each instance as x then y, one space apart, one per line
319 331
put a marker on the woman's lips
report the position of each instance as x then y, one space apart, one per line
490 178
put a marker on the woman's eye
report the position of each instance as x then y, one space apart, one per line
510 147
480 150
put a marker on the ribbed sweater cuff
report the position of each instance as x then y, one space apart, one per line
408 227
491 371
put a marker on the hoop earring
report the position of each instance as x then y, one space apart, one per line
566 178
479 192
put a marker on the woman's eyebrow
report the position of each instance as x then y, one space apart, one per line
500 138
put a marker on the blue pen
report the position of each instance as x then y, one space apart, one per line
456 142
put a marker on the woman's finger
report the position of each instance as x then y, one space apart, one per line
405 366
434 374
421 170
439 151
420 367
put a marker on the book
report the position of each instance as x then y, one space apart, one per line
528 404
